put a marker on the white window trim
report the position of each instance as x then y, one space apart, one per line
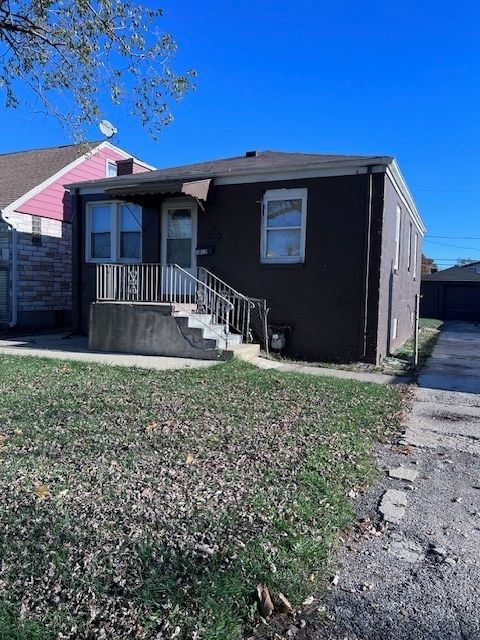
114 234
283 194
394 328
398 225
415 255
108 164
410 238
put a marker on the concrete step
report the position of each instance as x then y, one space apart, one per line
196 319
243 351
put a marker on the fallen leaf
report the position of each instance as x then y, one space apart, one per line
284 604
190 459
265 603
151 425
308 601
42 491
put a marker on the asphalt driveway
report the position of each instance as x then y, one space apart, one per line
455 362
419 578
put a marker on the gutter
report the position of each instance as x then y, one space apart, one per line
14 279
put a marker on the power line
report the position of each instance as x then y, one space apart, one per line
455 246
453 237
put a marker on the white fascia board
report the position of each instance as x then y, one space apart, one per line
288 174
88 191
7 211
398 181
243 178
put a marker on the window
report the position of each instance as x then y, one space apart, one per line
111 170
284 216
130 232
415 256
394 328
36 230
113 232
410 234
396 262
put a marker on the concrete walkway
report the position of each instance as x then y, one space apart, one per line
61 346
419 579
291 367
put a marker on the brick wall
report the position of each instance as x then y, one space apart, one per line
44 269
397 287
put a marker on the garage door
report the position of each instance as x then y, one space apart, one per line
462 301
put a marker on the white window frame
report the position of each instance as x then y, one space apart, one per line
410 238
415 255
398 226
394 328
115 228
283 194
108 165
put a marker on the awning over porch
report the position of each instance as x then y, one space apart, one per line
196 188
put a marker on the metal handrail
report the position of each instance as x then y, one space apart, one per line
151 282
213 276
240 318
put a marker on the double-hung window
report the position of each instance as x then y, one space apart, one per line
415 256
410 235
113 232
284 217
398 221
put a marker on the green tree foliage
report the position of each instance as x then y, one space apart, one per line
77 57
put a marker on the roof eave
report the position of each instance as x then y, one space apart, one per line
367 161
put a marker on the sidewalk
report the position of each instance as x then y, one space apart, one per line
377 378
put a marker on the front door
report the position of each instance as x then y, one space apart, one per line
179 234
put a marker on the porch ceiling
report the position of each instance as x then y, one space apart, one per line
196 188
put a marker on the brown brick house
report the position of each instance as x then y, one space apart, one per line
332 243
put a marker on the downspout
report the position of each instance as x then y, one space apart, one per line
14 279
367 259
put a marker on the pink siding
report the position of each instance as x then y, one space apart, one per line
52 202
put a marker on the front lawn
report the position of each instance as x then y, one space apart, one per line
138 504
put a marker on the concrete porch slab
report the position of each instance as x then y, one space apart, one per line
62 346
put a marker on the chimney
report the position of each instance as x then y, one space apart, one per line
124 167
251 154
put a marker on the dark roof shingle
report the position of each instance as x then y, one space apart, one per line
264 160
21 171
453 274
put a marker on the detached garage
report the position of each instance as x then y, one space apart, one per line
452 294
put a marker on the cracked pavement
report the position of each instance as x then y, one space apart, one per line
419 579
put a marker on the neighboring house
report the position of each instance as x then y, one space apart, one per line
332 243
451 294
472 266
35 227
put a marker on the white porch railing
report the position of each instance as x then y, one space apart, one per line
156 283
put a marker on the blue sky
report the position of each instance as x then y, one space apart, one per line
356 77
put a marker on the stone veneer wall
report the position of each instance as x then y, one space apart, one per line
44 272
